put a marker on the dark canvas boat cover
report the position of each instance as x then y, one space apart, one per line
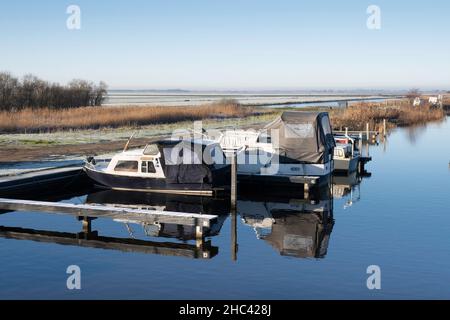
304 137
184 161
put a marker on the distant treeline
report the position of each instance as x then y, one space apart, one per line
32 92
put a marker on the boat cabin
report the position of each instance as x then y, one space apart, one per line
155 157
173 165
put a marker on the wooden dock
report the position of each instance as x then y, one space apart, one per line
139 216
360 134
25 182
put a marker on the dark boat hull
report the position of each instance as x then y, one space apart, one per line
129 183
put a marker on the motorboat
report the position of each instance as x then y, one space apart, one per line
296 147
346 154
189 167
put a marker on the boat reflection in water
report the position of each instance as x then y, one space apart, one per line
88 237
292 225
349 187
166 202
296 228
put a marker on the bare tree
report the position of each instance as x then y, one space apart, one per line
8 91
413 94
32 92
100 93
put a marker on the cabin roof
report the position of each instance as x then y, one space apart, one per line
302 116
174 142
133 152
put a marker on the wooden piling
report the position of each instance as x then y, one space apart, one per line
199 232
305 191
367 148
384 128
360 143
233 196
87 225
367 132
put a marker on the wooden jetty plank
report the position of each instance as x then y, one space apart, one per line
92 240
357 134
132 215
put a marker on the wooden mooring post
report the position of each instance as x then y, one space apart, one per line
360 142
368 139
233 195
86 223
367 149
367 132
305 191
233 207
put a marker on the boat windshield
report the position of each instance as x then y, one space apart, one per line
181 155
151 150
326 125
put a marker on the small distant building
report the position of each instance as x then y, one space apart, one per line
433 100
343 104
417 102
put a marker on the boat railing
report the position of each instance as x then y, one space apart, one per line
351 140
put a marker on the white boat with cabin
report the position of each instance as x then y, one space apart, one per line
297 147
170 166
346 155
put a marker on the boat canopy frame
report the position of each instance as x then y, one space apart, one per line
303 137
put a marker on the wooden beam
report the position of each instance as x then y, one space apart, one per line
123 214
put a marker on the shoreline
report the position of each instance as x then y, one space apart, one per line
244 100
64 144
79 143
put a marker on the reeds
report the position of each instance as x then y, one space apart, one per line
396 113
48 120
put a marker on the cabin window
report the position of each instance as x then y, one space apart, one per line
181 155
339 153
264 138
299 130
151 150
326 125
126 166
148 167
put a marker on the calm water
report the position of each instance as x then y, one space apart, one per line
399 219
331 104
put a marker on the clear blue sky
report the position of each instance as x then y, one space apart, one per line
246 44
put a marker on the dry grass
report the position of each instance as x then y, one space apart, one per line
446 100
396 113
47 120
